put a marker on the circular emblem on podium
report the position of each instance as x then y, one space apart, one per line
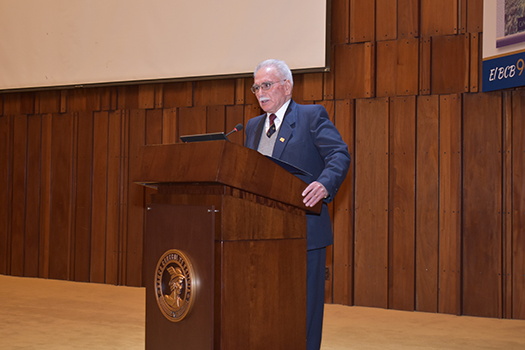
174 285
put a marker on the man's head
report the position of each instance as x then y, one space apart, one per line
273 84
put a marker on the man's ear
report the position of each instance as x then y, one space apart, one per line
288 87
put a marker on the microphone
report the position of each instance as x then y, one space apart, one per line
238 127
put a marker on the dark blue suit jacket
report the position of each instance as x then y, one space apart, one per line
309 140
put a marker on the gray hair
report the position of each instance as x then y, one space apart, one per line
281 66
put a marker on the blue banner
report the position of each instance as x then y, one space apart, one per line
504 72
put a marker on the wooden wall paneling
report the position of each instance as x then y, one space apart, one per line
147 96
474 62
18 196
60 196
371 203
215 92
450 64
154 127
5 189
386 19
425 65
313 86
507 204
517 270
450 175
16 103
128 97
407 72
462 16
330 109
251 111
362 21
83 206
427 203
169 126
340 33
234 116
216 119
63 101
482 196
99 203
386 56
240 89
402 205
136 198
2 104
108 98
354 67
343 248
84 99
45 195
474 16
159 95
49 101
408 18
439 17
328 78
249 97
114 232
298 89
123 194
178 94
192 120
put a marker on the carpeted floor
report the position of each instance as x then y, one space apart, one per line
52 315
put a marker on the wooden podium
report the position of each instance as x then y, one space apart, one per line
225 249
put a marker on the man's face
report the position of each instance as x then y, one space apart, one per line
273 99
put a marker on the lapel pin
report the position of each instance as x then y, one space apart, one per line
281 139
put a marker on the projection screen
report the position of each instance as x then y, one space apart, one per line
67 43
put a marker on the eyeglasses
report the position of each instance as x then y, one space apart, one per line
267 85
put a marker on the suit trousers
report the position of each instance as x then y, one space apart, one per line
315 271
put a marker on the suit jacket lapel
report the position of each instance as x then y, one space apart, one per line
286 130
258 131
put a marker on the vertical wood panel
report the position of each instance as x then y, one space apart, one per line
215 92
386 20
517 274
147 96
355 76
340 21
18 197
192 121
402 243
371 203
427 203
45 195
113 236
439 17
99 204
313 87
425 65
450 64
474 62
362 21
83 188
234 116
507 204
386 68
215 119
408 18
5 167
19 103
83 100
135 226
449 297
153 127
178 95
169 125
474 16
343 261
482 236
397 67
60 211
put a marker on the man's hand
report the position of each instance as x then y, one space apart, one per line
314 193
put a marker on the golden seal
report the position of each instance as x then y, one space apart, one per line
174 285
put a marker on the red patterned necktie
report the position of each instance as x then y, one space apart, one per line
271 129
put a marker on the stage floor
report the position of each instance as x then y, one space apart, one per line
52 315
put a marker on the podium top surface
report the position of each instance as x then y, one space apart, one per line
221 162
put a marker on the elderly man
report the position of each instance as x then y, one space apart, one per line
304 136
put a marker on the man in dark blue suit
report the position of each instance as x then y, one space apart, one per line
304 136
